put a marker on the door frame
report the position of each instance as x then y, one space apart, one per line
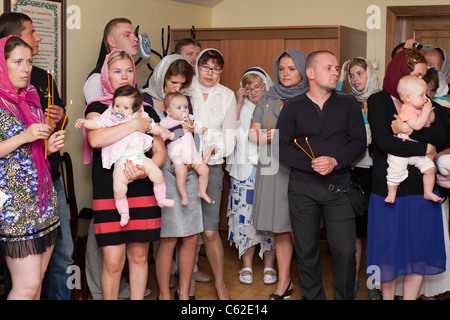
395 12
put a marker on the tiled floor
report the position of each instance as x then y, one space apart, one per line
258 290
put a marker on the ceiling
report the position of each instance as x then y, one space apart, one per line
205 3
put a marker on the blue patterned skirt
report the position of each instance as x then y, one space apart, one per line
241 230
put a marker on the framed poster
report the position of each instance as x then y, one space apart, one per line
49 20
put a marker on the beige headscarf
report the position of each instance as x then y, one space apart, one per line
372 86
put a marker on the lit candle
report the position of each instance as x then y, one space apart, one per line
312 153
65 118
295 140
268 122
53 89
48 109
48 88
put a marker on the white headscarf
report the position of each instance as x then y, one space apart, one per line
156 84
220 101
260 72
196 83
248 106
245 156
372 86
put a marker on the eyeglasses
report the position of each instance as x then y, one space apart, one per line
205 68
256 88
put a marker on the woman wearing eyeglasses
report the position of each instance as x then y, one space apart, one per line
271 209
242 166
214 108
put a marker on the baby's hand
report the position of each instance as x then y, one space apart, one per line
167 135
79 123
209 151
427 106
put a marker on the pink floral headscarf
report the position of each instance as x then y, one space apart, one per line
108 93
25 106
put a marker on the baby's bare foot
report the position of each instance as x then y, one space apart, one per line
431 196
124 218
390 199
204 196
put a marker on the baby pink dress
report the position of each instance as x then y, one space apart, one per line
185 145
114 152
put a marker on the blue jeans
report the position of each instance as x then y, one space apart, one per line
54 285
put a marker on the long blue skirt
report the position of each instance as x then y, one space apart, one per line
404 238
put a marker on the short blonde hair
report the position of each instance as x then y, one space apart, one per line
250 78
409 84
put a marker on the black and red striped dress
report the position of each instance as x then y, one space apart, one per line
145 215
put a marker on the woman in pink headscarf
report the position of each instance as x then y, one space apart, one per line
29 219
132 240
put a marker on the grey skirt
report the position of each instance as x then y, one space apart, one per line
270 204
181 221
211 211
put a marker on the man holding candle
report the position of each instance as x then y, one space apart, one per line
321 132
55 282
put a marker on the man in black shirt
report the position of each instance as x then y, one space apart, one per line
55 281
331 123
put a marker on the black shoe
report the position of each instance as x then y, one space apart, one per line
285 295
177 297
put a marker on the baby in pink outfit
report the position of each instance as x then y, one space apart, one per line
127 104
182 152
417 112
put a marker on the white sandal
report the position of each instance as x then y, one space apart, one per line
247 279
270 279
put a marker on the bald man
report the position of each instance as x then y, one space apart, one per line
334 124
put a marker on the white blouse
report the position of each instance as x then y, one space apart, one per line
245 155
218 114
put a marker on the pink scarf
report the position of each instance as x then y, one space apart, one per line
108 93
26 108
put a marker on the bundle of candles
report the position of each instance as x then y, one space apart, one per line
312 154
51 102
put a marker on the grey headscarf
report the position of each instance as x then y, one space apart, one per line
278 91
156 84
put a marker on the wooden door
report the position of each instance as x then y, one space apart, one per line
243 48
426 24
427 30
